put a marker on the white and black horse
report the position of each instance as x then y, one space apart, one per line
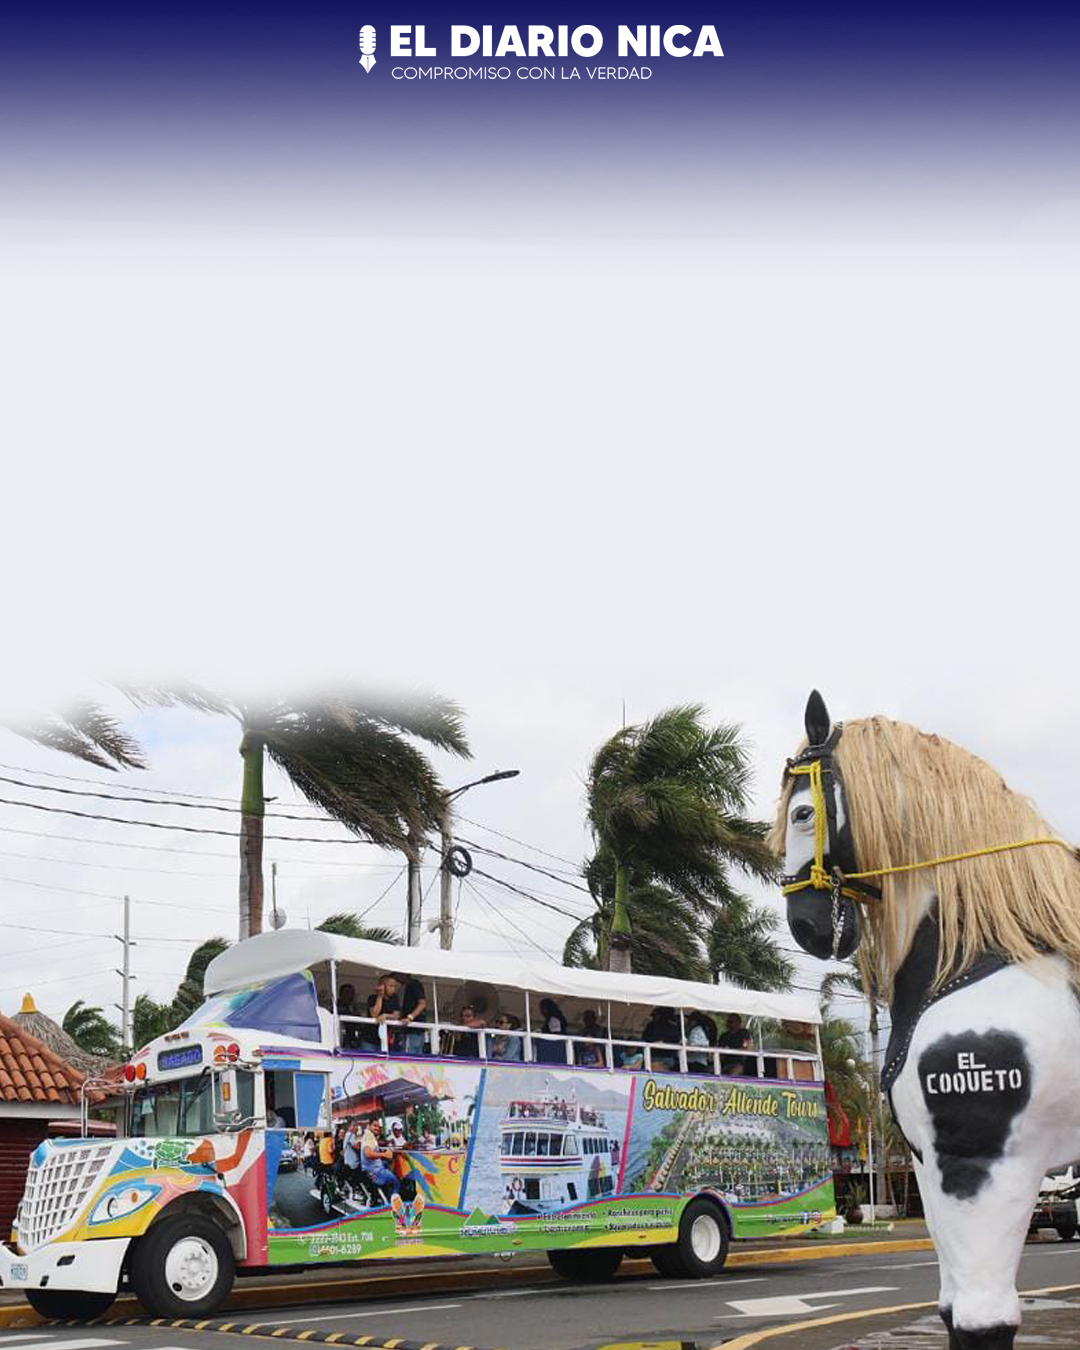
982 1071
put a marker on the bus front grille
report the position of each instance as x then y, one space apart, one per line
57 1190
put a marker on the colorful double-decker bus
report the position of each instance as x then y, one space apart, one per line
336 1100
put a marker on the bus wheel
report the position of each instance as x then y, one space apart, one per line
587 1267
68 1304
183 1267
702 1246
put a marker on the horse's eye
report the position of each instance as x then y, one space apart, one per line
802 814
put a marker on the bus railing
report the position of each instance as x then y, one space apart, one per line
524 1046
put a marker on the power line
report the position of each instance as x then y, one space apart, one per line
520 862
160 825
155 801
185 852
556 857
141 787
509 886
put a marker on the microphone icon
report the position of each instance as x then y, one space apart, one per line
367 46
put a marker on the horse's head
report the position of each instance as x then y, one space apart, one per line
818 846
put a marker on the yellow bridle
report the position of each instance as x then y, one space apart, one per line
834 880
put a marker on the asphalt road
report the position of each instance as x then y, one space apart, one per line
574 1317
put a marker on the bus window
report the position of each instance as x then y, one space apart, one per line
530 1144
570 1147
196 1114
155 1111
507 1141
519 1144
542 1145
310 1092
296 1101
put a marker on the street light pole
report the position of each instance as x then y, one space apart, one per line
446 832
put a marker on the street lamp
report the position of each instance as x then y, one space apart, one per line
446 827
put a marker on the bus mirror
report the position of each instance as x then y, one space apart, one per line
226 1100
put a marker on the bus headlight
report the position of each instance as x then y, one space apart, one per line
125 1200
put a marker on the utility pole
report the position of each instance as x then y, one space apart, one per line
413 899
446 881
446 833
126 977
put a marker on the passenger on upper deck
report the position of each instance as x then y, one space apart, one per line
590 1053
736 1037
663 1027
466 1044
413 1008
507 1045
553 1024
701 1031
346 1005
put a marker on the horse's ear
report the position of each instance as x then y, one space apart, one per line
817 719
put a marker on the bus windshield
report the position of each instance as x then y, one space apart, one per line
184 1106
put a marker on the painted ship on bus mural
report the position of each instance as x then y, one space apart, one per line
483 1153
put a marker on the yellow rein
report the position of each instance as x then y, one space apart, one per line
821 880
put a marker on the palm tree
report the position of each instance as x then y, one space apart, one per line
850 979
348 754
742 949
666 803
84 730
664 928
91 1030
352 926
846 1070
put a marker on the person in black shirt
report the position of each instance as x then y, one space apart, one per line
553 1022
466 1044
735 1037
663 1026
351 1034
413 1009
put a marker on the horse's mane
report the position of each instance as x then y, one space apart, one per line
913 796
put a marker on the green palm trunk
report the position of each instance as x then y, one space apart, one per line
619 957
253 808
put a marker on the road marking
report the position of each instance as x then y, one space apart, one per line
339 1316
24 1336
888 1265
689 1287
791 1305
85 1343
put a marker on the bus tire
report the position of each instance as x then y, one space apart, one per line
591 1266
67 1305
702 1245
183 1267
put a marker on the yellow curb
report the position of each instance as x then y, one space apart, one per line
776 1255
393 1285
755 1337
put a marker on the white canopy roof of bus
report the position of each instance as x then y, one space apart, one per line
292 949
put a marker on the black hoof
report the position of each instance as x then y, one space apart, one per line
999 1337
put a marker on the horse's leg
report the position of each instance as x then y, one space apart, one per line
979 1241
930 1193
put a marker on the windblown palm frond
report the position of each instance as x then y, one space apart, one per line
86 731
352 926
742 949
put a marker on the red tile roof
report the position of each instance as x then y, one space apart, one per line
31 1072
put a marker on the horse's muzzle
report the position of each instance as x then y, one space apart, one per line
810 918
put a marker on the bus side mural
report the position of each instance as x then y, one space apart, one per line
481 1155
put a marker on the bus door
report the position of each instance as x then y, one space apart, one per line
297 1104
